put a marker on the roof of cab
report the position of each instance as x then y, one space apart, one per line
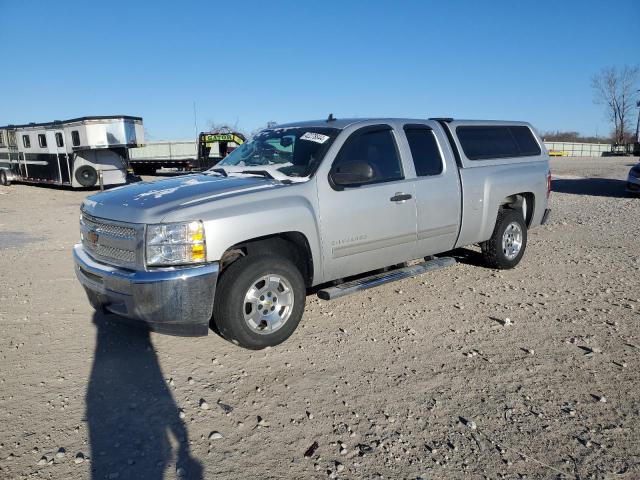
334 123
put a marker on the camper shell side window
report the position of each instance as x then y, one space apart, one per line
488 142
75 138
59 139
42 140
26 141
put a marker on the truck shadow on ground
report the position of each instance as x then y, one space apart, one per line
467 256
600 187
132 417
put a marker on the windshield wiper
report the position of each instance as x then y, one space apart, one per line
221 171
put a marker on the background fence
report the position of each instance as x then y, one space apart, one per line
574 149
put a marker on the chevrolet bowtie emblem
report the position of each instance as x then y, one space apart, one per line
92 236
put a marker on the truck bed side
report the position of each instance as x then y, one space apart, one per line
489 183
487 188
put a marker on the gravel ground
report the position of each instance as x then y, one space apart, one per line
424 377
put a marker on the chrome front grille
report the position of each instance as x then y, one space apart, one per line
112 242
99 226
118 254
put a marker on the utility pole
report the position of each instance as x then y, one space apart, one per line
638 124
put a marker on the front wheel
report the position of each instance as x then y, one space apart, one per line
506 246
259 301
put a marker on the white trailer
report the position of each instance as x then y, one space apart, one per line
79 152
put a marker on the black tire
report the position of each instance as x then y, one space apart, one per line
493 252
3 178
86 176
229 306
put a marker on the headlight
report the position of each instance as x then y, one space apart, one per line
175 243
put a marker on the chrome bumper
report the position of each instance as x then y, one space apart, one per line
174 301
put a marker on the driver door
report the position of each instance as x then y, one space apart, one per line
373 224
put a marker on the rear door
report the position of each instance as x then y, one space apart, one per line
437 188
374 224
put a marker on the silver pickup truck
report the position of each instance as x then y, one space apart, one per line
335 205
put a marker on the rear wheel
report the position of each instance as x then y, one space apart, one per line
86 176
506 246
259 301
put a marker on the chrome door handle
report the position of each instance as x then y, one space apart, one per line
400 197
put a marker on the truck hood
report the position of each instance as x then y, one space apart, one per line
149 202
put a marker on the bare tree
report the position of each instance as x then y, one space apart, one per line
269 124
219 127
616 89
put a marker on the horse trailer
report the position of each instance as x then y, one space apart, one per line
80 152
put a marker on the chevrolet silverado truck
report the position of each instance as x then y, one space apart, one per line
332 206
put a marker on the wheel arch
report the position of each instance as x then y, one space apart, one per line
523 202
292 245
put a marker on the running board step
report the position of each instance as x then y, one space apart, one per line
331 293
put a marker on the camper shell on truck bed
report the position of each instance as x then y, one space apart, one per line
73 152
327 203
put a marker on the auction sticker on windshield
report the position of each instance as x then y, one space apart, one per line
314 137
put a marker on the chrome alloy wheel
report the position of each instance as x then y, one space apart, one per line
512 240
268 303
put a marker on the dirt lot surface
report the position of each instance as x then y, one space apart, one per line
419 378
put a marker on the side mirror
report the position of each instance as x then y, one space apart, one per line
354 172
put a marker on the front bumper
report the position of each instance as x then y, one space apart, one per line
176 301
633 185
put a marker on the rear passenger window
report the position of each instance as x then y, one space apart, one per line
486 142
75 138
376 147
526 143
424 150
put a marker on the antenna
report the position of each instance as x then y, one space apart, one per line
195 119
331 118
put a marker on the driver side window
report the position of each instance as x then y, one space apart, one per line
376 147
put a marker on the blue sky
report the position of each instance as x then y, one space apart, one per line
250 62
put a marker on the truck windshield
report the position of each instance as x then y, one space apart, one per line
289 152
